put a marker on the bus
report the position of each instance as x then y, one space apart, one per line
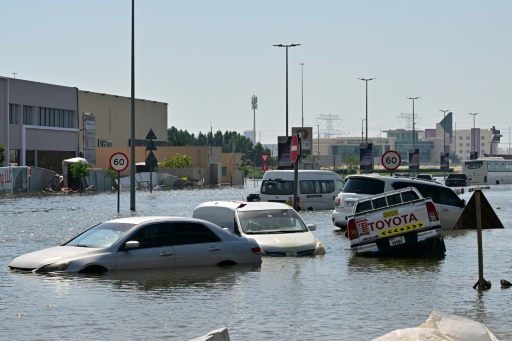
488 171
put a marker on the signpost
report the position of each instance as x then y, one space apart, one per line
119 162
391 160
264 157
151 157
294 156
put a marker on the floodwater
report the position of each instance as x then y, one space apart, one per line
333 297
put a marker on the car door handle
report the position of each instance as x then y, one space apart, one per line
165 253
214 248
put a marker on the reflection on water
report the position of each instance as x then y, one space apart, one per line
338 296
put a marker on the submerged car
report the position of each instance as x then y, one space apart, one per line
277 228
143 243
448 203
456 180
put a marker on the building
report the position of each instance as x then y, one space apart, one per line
39 123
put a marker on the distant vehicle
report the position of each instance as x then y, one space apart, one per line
396 223
456 180
448 203
425 177
488 171
277 228
316 191
143 243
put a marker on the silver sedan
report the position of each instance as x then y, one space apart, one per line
143 243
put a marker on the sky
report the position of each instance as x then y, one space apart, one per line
207 58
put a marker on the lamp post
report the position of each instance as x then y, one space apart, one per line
413 124
318 140
254 105
473 142
362 131
287 46
302 91
366 80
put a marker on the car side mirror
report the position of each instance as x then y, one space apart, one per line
311 227
132 244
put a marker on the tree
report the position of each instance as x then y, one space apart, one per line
351 161
2 154
177 161
111 174
80 170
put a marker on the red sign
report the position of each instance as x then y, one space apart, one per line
264 167
264 157
294 148
391 160
119 162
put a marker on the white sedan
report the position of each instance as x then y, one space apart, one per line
276 227
143 243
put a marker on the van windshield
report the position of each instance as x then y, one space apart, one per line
271 221
278 187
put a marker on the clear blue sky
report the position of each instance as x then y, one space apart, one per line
207 58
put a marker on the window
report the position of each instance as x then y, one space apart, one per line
316 186
364 186
395 199
27 115
193 233
439 194
154 235
279 187
380 202
13 118
51 117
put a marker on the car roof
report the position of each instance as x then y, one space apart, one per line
391 179
144 219
245 206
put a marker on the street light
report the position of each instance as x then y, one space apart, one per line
473 138
302 89
254 106
413 131
366 80
362 131
287 46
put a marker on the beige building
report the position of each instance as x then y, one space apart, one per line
105 121
206 161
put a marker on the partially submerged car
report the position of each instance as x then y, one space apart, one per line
277 228
456 180
448 203
143 243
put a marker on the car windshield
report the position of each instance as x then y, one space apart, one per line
271 221
102 235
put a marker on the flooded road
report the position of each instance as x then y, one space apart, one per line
333 297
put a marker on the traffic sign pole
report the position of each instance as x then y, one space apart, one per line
119 162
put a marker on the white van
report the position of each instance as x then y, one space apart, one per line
316 191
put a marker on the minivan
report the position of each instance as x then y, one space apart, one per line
448 203
317 189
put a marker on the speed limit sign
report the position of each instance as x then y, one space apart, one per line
119 162
391 160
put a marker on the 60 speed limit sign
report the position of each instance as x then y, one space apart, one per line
119 162
391 160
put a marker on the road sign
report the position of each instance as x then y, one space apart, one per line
264 167
151 135
294 148
264 157
119 162
391 160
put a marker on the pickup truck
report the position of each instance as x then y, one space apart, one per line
396 223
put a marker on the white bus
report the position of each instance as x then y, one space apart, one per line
316 191
488 171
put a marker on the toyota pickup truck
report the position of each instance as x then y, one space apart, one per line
396 223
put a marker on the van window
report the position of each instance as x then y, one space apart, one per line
364 186
316 186
278 187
